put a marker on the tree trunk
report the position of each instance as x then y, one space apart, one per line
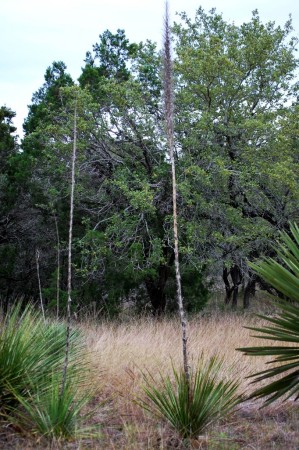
232 290
69 277
168 98
156 291
228 289
249 291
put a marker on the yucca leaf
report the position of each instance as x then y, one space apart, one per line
284 327
52 413
30 350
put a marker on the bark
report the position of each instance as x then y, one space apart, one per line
58 267
227 285
249 291
69 280
168 97
232 290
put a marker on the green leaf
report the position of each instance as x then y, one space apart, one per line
284 327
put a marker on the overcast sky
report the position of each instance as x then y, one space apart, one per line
34 33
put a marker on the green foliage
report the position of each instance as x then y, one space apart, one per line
30 351
236 132
283 277
196 291
7 141
47 99
110 58
8 151
54 414
49 294
190 406
284 327
239 173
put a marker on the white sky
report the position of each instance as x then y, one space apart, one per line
34 33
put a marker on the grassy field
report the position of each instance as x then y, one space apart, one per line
120 352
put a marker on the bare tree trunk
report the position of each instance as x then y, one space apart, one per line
58 268
39 284
169 111
69 279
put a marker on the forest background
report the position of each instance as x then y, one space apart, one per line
236 141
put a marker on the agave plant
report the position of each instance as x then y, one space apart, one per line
284 327
191 405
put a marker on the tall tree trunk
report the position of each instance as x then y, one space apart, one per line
58 267
156 286
168 97
69 279
236 277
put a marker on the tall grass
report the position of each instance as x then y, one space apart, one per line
119 353
53 414
147 344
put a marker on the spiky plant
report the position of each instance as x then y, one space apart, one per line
284 327
190 405
54 415
30 350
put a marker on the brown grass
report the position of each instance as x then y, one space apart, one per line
120 352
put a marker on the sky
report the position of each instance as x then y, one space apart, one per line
34 33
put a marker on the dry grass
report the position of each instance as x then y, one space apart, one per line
120 352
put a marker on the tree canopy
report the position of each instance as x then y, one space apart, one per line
236 149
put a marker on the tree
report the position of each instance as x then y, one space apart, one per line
110 59
47 98
7 196
234 86
51 174
135 239
11 196
138 184
235 138
8 148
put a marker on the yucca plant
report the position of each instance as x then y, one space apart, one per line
284 327
192 400
30 350
54 415
190 405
